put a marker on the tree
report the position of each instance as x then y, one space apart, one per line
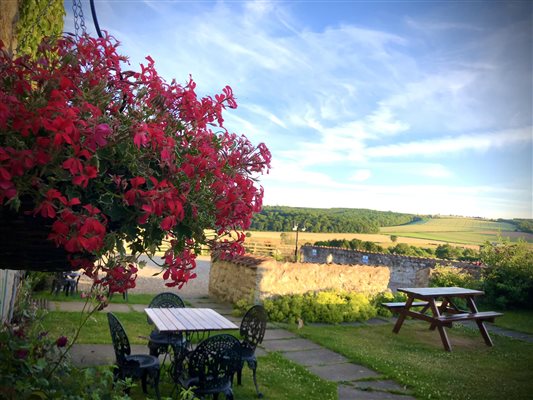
393 238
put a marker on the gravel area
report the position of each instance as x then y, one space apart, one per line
148 283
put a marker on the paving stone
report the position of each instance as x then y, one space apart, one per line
289 345
347 392
387 385
259 352
272 334
342 372
117 308
315 357
377 321
500 331
138 307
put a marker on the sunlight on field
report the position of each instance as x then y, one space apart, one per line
384 240
458 230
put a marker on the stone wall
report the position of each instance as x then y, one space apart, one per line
8 21
255 279
404 271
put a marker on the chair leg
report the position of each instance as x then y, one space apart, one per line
143 382
239 376
229 394
157 373
253 367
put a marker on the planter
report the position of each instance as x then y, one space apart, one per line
24 244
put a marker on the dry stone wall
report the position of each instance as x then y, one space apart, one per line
259 278
404 271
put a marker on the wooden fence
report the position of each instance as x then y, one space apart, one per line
270 250
9 281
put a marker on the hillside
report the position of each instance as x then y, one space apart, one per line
459 230
348 220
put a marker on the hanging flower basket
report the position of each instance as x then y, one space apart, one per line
115 163
25 245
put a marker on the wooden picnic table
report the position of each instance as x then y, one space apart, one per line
443 313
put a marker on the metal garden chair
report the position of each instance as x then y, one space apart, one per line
209 368
252 332
135 366
159 342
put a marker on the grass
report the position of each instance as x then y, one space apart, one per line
277 377
521 321
415 358
133 298
470 231
96 330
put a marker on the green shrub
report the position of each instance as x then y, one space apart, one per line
508 275
448 276
325 306
387 297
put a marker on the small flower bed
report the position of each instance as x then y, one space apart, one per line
109 156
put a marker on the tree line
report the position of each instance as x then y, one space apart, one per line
443 251
345 220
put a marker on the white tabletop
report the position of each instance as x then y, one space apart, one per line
188 319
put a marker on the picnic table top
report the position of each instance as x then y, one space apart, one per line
441 291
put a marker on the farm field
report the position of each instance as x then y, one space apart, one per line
274 238
470 231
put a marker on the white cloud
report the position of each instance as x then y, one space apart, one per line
461 143
361 175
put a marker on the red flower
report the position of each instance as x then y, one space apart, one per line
61 341
121 160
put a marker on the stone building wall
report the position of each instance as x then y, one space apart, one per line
259 278
404 271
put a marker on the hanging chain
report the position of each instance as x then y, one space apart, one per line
79 20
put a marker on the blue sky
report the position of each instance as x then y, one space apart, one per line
421 107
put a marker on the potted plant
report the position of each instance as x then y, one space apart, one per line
113 162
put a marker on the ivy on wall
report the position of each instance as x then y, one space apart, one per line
38 19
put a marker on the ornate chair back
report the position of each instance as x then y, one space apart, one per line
121 343
212 364
253 328
166 300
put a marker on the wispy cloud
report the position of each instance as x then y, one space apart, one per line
460 143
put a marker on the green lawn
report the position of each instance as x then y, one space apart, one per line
521 321
278 379
96 330
415 358
458 230
133 298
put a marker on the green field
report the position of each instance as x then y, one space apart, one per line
458 230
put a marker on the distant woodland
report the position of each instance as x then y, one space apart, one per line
346 220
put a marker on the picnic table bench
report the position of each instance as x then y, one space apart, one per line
443 313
